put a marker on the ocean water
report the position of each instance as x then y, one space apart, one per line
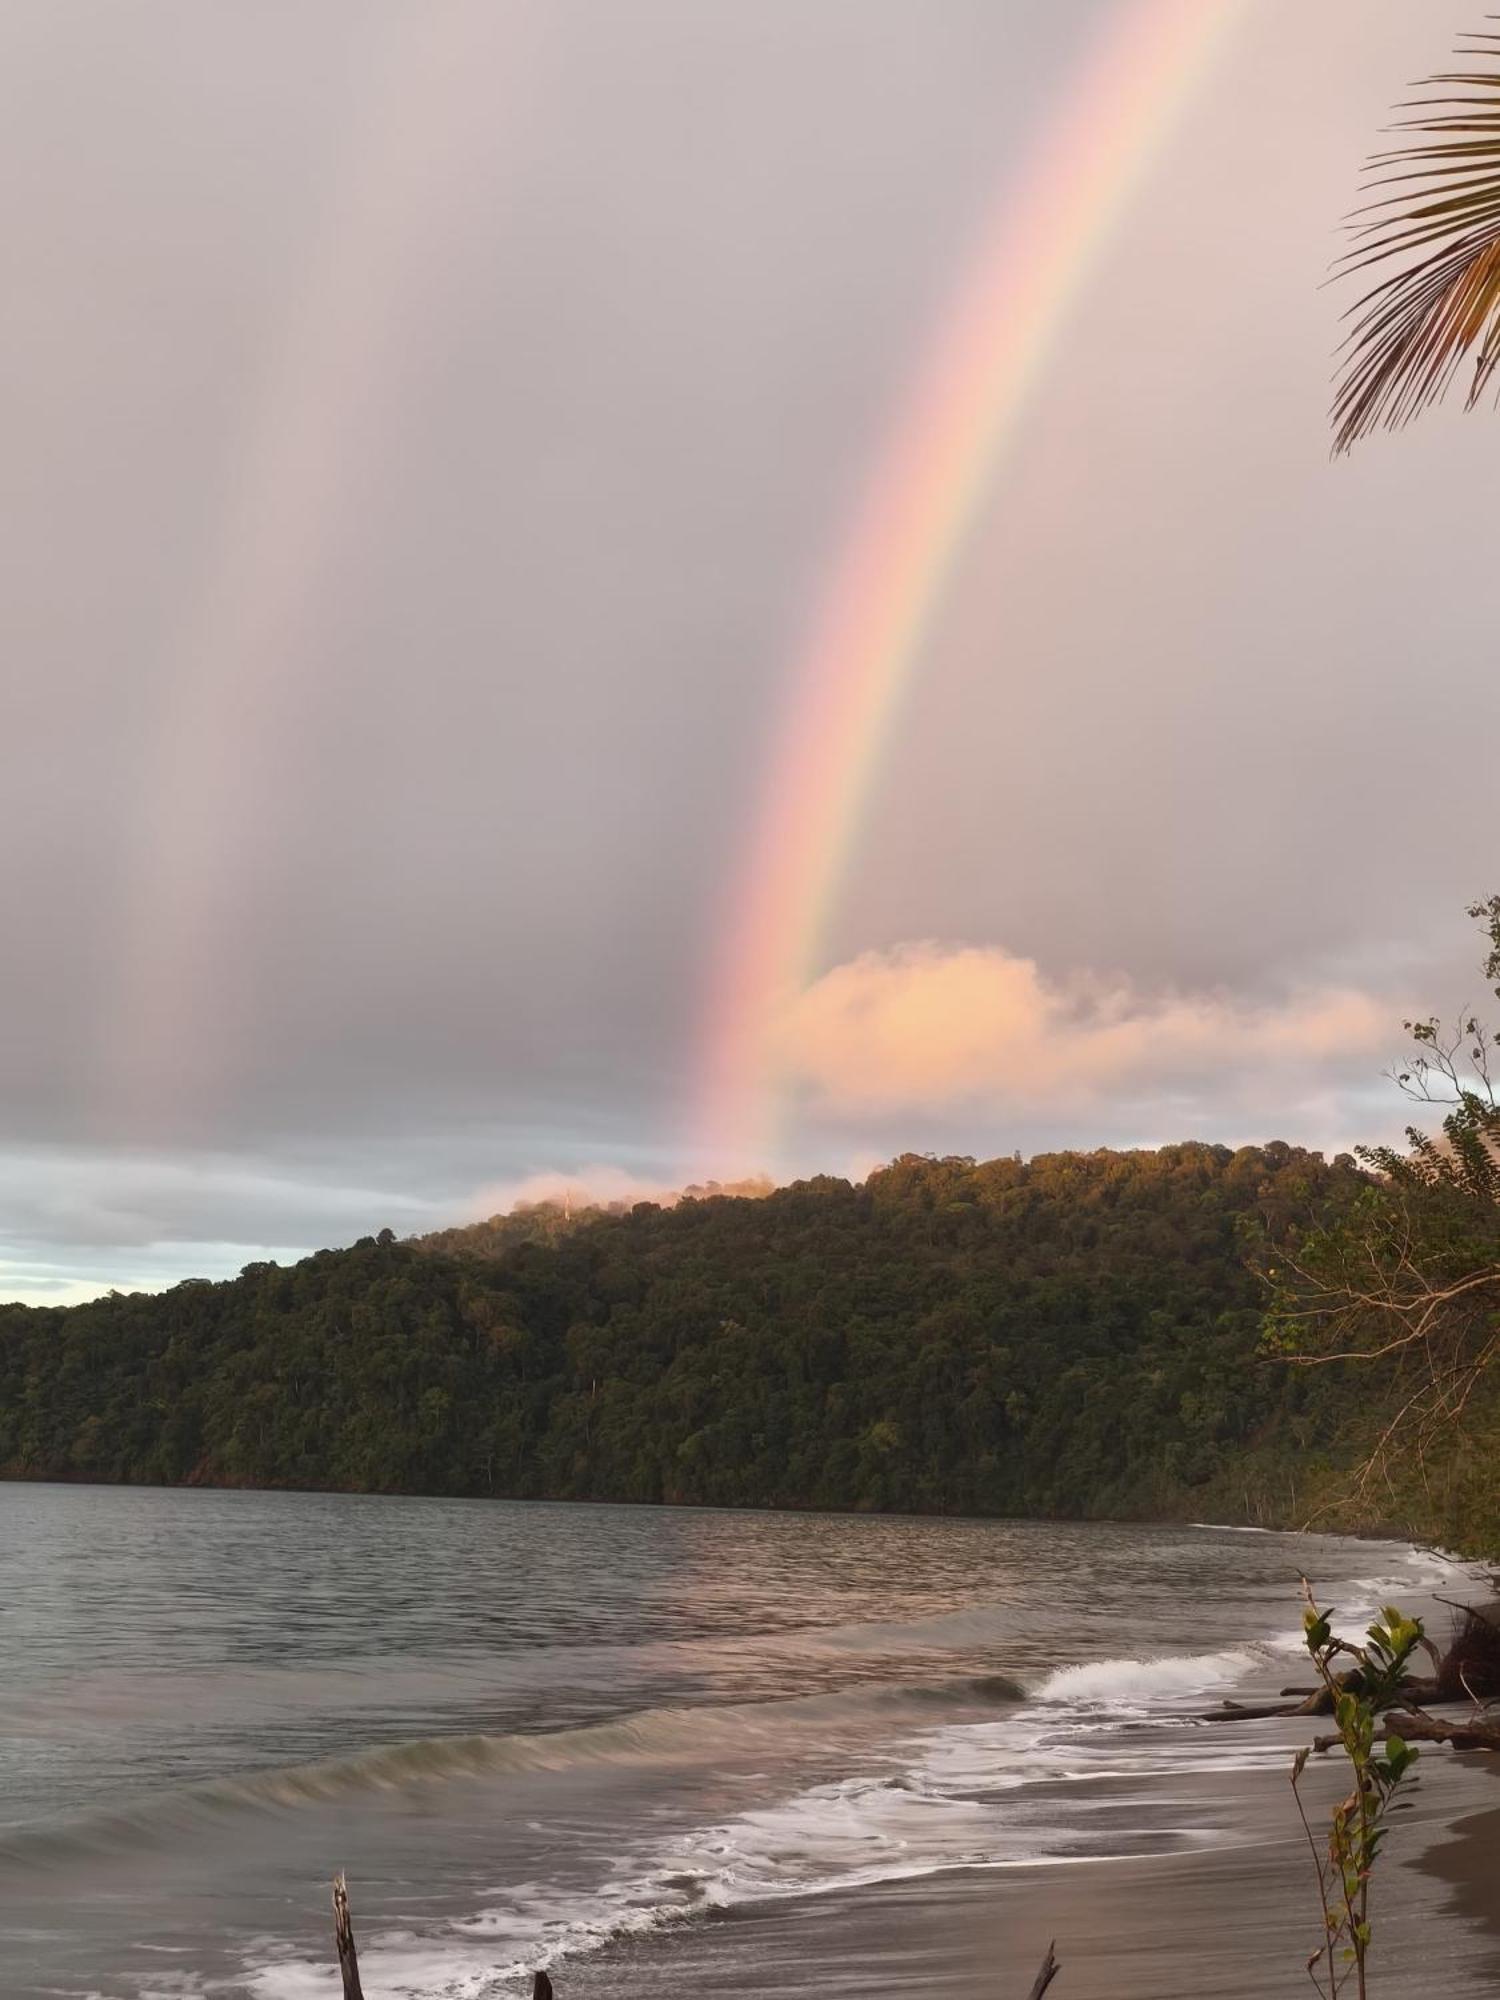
533 1733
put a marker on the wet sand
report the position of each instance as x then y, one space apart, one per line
1225 1923
1232 1915
1468 1867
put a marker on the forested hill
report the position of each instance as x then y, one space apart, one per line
1072 1335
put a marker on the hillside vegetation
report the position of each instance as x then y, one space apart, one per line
1074 1335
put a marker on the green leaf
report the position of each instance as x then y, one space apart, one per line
1400 1755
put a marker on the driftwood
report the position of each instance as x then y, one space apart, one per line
1413 1727
1318 1702
1255 1711
343 1938
1469 1735
1467 1670
1047 1974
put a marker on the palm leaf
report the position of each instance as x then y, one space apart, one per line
1435 213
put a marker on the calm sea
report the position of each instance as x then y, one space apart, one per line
530 1733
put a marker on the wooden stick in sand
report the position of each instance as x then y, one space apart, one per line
343 1937
1047 1974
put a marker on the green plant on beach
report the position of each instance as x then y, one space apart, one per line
1360 1691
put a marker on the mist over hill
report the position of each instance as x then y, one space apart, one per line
546 1219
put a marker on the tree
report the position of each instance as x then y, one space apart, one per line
1075 1334
1406 1280
1435 215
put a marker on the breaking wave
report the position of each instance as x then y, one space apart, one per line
653 1736
1104 1683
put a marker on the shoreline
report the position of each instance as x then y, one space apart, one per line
1233 1922
1233 1917
1378 1535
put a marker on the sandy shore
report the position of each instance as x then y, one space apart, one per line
1223 1923
1468 1866
1232 1914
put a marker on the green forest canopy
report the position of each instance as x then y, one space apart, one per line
1073 1335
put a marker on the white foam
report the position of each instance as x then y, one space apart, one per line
1108 1683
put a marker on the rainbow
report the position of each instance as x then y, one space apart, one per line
317 439
942 456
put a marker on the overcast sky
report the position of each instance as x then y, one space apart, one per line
427 431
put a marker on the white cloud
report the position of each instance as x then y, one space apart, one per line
78 1222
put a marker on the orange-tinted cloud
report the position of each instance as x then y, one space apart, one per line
927 1025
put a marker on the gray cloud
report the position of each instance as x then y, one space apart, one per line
426 436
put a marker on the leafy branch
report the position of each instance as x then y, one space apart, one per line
1345 1863
1435 213
1405 1278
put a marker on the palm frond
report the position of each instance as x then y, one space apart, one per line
1419 325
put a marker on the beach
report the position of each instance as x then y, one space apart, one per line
1227 1923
